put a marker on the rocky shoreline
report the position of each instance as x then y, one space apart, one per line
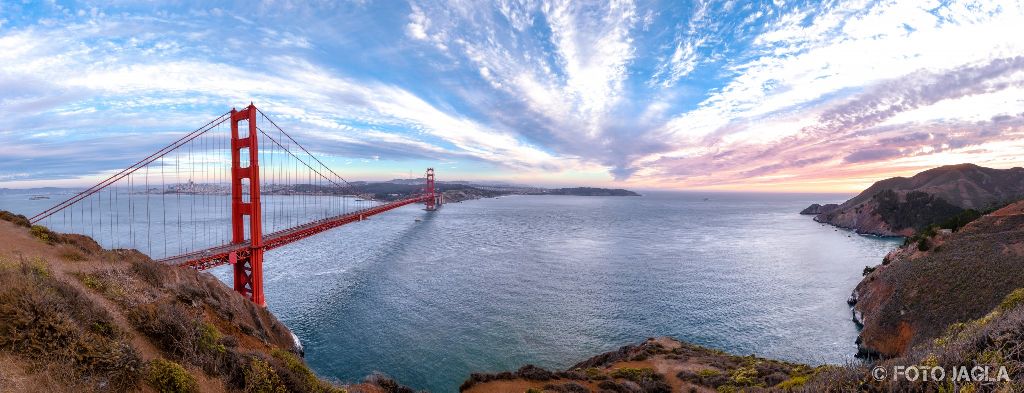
938 278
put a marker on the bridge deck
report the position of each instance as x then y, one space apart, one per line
221 255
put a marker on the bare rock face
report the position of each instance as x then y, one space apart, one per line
900 206
917 292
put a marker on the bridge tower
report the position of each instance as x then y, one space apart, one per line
248 263
431 201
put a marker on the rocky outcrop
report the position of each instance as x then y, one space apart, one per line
815 209
939 279
892 213
653 366
901 206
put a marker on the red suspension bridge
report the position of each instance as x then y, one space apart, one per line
223 194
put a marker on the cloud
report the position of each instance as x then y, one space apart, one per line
418 24
705 94
890 98
123 82
872 155
682 63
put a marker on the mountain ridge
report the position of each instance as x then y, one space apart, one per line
901 206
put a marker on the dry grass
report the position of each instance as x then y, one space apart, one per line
66 338
58 323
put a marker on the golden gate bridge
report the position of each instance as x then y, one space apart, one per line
240 165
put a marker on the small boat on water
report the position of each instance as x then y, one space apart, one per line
418 220
38 197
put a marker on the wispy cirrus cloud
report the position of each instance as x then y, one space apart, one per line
795 94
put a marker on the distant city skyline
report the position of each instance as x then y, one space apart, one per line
725 95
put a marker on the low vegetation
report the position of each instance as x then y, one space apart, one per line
632 369
60 332
72 316
915 209
994 340
166 376
942 280
924 235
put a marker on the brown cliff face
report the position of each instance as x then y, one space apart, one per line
920 290
863 218
900 206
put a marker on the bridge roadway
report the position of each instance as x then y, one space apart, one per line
229 253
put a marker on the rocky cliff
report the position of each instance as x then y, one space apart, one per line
901 206
937 279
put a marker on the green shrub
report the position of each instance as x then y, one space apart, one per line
209 339
1014 299
42 233
183 334
708 373
961 219
922 244
298 375
744 376
261 378
595 373
92 282
38 267
793 382
169 377
634 374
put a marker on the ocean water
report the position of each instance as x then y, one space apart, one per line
493 284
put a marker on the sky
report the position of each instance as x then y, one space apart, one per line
721 95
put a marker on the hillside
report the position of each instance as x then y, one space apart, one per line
77 318
453 192
901 206
653 366
459 191
933 282
585 191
